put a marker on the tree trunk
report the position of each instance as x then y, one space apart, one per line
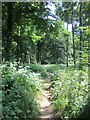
67 48
17 56
89 47
89 59
80 19
74 58
38 51
39 46
9 31
0 32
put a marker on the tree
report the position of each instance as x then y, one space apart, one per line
67 15
36 19
9 30
72 19
80 18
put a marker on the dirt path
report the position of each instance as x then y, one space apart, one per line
45 104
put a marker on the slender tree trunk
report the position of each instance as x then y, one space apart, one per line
39 45
89 59
74 58
29 59
80 19
37 55
25 57
17 56
89 47
20 51
1 57
9 31
20 43
67 48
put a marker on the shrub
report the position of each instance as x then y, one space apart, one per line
36 68
44 74
69 92
53 68
19 89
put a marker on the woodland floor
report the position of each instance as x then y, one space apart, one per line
45 104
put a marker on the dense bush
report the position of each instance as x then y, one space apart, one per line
45 70
36 68
69 92
41 69
19 90
53 68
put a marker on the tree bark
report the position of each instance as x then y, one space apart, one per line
39 46
74 58
67 48
80 19
9 30
89 47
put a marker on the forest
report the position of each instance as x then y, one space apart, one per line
45 67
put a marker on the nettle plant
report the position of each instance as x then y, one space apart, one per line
19 90
69 92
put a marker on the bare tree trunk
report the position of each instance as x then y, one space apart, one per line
67 48
89 48
39 47
38 52
9 30
89 59
1 33
74 58
80 18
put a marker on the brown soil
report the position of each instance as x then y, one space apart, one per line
45 104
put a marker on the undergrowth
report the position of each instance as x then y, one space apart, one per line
19 90
69 93
69 90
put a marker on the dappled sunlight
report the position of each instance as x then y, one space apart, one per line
45 67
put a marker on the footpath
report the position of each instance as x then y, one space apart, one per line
45 104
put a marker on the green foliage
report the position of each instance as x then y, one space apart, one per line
19 90
44 74
36 35
88 30
39 69
69 92
36 68
53 68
